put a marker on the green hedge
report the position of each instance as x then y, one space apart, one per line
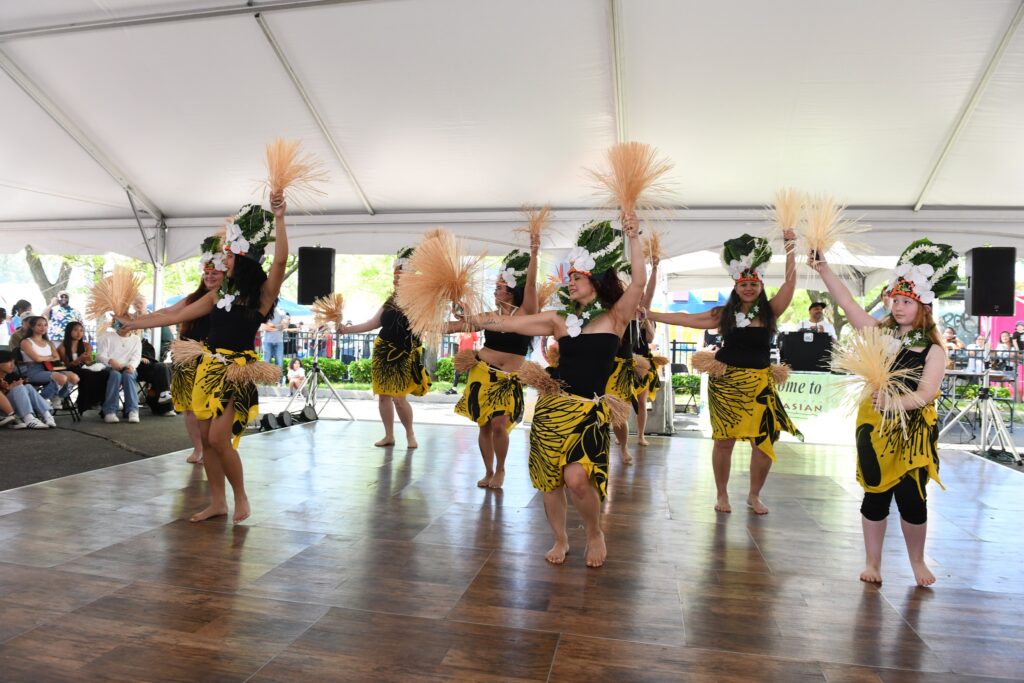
334 370
682 382
359 371
971 391
445 370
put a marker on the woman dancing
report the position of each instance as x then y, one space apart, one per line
742 392
892 462
642 334
224 395
397 364
493 397
569 440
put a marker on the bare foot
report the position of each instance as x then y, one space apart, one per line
386 441
596 551
483 483
923 575
755 504
210 512
871 574
723 504
558 552
195 458
411 442
242 510
642 441
627 459
497 480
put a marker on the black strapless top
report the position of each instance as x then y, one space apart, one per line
585 362
199 329
640 345
509 342
746 347
394 327
234 330
907 359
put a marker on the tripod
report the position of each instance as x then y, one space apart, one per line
990 417
311 382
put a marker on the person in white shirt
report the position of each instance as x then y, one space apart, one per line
816 320
976 355
122 355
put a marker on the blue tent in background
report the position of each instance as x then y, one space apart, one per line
289 307
695 303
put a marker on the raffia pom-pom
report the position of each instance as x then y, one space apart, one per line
537 377
780 373
552 354
660 360
257 372
705 361
463 361
641 366
618 410
186 351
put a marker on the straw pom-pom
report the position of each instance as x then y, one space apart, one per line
537 377
660 360
257 372
537 221
618 410
780 373
869 356
825 227
465 360
652 246
641 366
546 290
186 351
705 361
552 354
634 177
438 274
295 173
329 309
116 293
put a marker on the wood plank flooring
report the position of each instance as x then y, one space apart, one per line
369 564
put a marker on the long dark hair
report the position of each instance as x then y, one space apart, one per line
68 350
185 327
20 306
3 314
608 287
727 317
247 277
30 322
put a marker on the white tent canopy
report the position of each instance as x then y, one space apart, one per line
457 112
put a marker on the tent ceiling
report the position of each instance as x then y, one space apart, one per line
456 112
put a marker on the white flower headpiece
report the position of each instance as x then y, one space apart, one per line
582 260
235 240
738 267
509 275
215 260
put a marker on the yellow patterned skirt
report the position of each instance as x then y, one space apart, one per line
490 393
398 372
622 381
222 376
569 429
649 381
885 453
183 376
745 406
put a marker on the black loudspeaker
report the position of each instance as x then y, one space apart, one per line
990 281
316 273
806 351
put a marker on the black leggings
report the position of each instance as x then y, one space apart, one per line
912 506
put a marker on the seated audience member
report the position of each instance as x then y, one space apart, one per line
6 328
158 375
22 309
20 333
122 354
20 400
42 363
76 354
295 376
976 355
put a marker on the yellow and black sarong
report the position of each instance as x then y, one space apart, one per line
885 452
183 376
222 376
622 381
649 381
745 406
490 393
569 429
398 372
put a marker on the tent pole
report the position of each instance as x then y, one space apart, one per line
617 78
283 59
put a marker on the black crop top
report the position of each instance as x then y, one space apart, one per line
394 327
508 342
907 359
746 347
199 330
585 362
234 330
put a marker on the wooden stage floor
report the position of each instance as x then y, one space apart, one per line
370 564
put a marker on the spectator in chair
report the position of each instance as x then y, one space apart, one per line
21 331
295 376
41 360
159 377
76 354
6 327
22 309
122 354
21 404
60 313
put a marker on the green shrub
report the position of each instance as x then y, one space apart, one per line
359 371
688 383
445 370
334 370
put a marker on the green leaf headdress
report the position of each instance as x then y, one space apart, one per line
402 256
598 249
745 257
249 232
925 272
211 255
513 269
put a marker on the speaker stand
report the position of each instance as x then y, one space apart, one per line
312 381
991 419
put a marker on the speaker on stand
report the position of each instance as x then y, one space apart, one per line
316 273
990 272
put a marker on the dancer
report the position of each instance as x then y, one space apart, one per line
642 332
493 397
397 364
891 462
742 392
183 375
569 440
224 395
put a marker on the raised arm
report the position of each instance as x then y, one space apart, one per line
530 303
624 309
193 311
371 324
272 287
652 284
854 312
780 302
539 324
698 321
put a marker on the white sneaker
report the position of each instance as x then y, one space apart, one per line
48 420
7 419
56 402
111 418
20 424
133 417
33 423
165 397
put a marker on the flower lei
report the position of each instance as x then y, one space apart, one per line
226 295
914 339
744 319
575 323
